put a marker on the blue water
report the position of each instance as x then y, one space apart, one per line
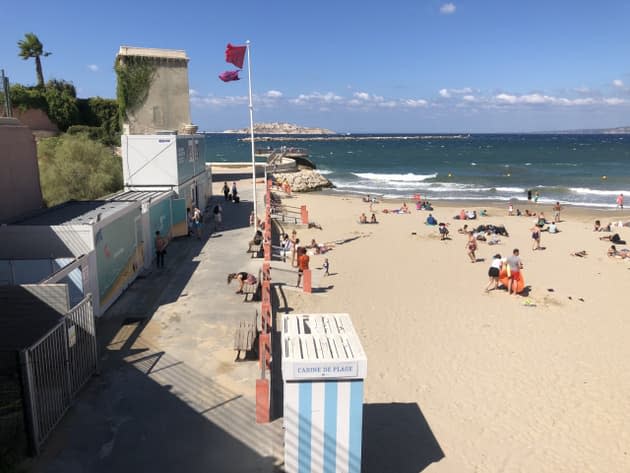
586 170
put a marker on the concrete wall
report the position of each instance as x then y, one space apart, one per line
167 106
20 190
36 120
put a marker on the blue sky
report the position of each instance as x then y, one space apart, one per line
396 66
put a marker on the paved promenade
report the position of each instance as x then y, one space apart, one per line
170 396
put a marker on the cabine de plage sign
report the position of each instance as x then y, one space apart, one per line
317 371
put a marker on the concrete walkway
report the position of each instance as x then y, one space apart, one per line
170 396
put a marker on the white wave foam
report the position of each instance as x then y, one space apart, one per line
510 189
324 172
409 177
586 190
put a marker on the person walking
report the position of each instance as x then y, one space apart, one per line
326 267
226 191
471 247
620 201
160 249
556 212
535 236
234 192
303 260
217 216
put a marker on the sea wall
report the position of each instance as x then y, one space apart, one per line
304 181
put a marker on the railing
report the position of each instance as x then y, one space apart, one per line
56 367
290 214
263 399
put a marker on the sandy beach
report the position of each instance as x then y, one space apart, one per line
532 383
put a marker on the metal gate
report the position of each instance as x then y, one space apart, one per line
56 367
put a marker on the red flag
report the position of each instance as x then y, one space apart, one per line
228 76
235 55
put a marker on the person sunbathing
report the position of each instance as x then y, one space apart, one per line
623 253
463 230
373 218
363 218
614 239
404 209
598 226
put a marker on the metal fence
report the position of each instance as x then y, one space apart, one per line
56 367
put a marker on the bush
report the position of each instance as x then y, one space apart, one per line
62 107
74 167
59 101
102 113
24 98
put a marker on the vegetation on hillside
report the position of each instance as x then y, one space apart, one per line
75 167
96 116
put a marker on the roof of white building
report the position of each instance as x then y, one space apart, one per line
153 52
76 212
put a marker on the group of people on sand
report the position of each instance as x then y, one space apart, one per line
510 268
363 218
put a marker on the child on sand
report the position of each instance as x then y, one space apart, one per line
326 267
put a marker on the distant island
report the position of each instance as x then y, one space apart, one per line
620 130
283 129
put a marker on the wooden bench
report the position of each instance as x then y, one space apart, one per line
250 289
245 337
255 249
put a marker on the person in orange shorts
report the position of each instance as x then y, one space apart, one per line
515 265
303 260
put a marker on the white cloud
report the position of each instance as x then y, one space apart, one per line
414 103
274 94
217 102
192 92
448 93
448 8
541 99
618 83
469 98
316 97
362 95
93 67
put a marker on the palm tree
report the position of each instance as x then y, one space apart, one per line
30 47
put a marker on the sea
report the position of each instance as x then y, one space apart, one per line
585 170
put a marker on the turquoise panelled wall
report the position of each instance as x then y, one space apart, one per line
190 157
115 246
160 220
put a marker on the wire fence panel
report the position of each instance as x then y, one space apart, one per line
57 366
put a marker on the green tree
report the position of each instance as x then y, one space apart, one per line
62 103
32 47
75 167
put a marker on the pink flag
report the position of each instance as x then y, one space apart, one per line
229 76
235 55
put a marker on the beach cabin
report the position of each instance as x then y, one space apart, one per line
323 368
167 161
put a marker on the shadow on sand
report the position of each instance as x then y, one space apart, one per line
397 438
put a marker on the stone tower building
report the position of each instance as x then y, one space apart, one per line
158 99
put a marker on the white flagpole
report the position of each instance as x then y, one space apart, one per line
251 132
